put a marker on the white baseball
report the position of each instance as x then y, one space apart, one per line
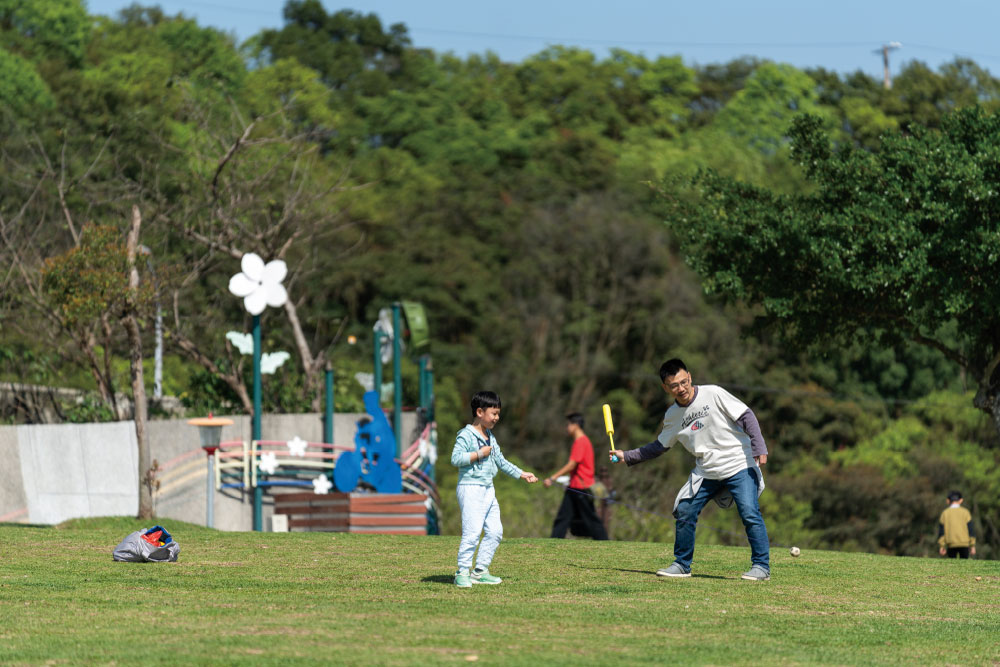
794 551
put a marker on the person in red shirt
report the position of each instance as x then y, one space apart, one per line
577 508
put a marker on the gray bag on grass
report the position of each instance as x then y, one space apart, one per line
134 549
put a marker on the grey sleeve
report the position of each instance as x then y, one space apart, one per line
644 453
748 422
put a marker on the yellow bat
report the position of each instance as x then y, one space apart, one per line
609 426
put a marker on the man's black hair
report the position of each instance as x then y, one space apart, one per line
575 418
954 496
485 399
670 368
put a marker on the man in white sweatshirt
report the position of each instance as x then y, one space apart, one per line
723 435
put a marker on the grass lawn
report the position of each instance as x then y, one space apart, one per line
313 598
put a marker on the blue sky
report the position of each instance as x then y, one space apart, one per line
836 35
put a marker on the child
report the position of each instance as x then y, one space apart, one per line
956 535
478 457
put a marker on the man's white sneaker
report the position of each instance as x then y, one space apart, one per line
675 570
757 573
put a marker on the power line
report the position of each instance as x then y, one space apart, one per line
621 42
195 5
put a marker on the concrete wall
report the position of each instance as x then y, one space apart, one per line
52 473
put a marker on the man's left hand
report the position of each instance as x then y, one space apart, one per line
761 460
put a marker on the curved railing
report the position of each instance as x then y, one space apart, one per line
237 465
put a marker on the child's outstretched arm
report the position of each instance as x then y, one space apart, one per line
512 469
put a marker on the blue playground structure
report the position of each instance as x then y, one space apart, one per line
372 460
376 463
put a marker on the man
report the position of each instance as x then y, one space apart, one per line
723 435
577 508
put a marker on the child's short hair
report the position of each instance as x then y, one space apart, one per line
670 368
575 418
485 399
954 496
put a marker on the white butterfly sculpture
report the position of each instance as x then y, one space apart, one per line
269 361
384 325
259 284
241 341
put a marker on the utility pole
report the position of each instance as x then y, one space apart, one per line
886 48
158 354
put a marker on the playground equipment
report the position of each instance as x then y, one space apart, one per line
372 460
377 462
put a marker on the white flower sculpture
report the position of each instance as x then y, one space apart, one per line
268 462
259 284
297 446
322 485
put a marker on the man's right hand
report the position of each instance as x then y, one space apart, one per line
616 452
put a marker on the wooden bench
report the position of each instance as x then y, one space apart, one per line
381 513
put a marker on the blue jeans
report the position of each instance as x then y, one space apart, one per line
743 486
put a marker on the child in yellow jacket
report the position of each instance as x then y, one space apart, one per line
956 534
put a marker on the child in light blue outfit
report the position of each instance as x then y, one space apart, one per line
478 458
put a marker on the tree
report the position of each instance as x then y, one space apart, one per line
91 286
55 29
22 91
84 288
349 50
893 245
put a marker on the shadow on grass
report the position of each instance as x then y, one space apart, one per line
439 579
619 569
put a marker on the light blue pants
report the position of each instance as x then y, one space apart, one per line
480 514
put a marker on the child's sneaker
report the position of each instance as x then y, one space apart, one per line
675 570
481 575
757 573
462 579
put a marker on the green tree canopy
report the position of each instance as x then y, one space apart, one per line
22 91
896 244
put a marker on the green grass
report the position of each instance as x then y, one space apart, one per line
302 598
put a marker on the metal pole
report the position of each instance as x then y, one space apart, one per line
258 492
328 414
423 381
158 354
328 417
430 391
397 377
210 495
377 367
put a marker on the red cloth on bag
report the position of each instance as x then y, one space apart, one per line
154 538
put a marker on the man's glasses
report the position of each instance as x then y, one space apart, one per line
683 384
